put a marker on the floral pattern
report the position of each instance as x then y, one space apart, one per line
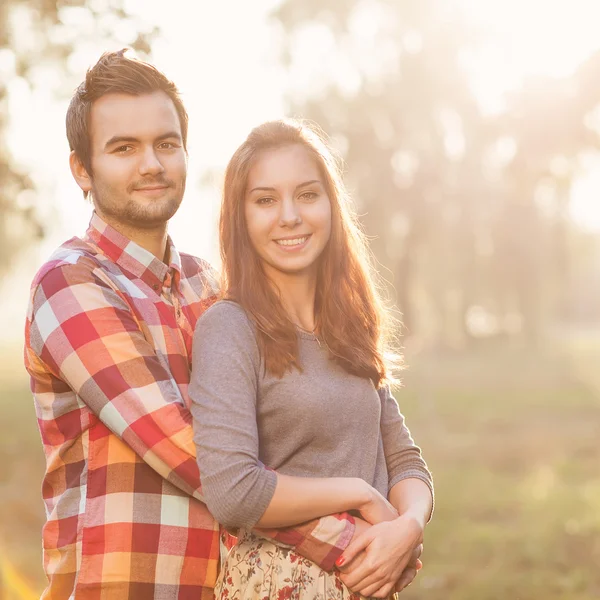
257 569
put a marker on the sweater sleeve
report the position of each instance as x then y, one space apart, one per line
223 390
402 456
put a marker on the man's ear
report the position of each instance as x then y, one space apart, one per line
81 176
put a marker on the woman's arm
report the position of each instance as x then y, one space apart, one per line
376 559
413 499
299 499
238 490
403 457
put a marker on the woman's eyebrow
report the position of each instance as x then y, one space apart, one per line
272 189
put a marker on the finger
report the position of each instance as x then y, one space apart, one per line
370 572
354 547
407 577
383 592
414 556
418 565
373 581
376 589
353 564
362 577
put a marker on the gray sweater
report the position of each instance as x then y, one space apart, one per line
322 422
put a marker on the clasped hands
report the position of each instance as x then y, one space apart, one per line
382 558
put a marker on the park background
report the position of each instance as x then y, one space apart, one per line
470 131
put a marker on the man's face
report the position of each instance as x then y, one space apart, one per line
138 161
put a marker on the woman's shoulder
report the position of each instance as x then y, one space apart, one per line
225 312
225 317
224 335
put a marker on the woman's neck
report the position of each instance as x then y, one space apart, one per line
297 292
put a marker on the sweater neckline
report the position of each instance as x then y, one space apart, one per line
307 335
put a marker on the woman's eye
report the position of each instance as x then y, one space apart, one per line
308 195
265 200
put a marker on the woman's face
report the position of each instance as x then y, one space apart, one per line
288 212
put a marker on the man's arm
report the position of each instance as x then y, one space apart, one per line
85 333
321 540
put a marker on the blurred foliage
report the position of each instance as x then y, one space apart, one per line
37 35
468 210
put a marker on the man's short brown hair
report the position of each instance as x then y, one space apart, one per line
115 73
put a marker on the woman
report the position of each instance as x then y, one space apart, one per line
288 371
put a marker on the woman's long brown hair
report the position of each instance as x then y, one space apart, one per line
349 313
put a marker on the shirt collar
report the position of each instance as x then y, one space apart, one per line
131 257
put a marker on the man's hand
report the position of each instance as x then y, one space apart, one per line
412 568
382 557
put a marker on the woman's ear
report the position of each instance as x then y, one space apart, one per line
81 176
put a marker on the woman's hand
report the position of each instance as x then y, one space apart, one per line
377 509
383 550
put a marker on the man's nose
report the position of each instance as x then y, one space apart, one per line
150 164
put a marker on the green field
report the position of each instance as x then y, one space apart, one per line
511 438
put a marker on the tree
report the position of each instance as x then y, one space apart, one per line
39 36
450 196
408 128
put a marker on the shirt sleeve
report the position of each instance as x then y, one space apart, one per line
402 455
223 390
86 334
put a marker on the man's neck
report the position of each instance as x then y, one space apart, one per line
154 240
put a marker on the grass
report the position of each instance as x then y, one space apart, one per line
512 441
21 471
511 438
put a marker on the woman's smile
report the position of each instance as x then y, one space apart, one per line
293 244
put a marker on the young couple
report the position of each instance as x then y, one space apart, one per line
169 404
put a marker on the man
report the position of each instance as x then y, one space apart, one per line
108 344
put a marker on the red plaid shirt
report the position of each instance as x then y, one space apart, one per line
108 344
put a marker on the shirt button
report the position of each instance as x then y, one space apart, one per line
155 287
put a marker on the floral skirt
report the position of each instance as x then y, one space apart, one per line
258 569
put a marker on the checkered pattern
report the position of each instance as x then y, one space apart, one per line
108 343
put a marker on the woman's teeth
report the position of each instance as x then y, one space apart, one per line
295 242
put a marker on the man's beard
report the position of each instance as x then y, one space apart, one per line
147 215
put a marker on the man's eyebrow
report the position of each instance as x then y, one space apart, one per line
169 135
119 139
270 189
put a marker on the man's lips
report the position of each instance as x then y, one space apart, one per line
151 188
152 191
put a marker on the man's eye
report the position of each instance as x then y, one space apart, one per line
122 149
168 145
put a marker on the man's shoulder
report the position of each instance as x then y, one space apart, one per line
192 265
74 254
197 270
